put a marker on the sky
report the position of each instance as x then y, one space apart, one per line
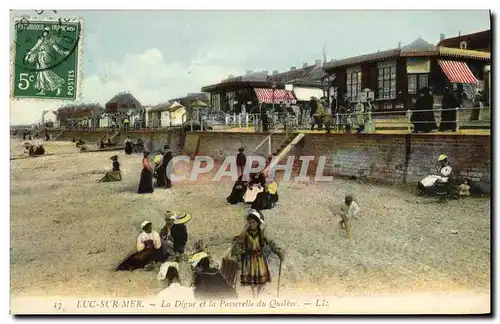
159 55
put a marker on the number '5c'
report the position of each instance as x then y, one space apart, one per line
24 81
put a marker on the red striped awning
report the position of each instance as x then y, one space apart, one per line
280 96
457 72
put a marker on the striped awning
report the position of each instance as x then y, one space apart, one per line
457 72
279 95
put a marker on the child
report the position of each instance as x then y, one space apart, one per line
347 211
464 189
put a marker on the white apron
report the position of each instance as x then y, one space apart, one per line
430 180
251 194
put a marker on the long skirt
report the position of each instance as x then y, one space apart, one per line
254 270
237 194
112 176
128 148
161 176
142 258
146 182
265 200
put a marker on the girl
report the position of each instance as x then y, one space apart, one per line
248 248
146 182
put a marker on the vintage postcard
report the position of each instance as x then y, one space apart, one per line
250 162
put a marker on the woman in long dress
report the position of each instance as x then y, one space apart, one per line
248 247
146 182
163 180
128 146
41 55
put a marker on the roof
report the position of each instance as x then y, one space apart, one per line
419 47
125 98
455 41
462 53
166 106
367 58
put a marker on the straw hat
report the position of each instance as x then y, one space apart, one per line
197 257
146 222
182 219
442 157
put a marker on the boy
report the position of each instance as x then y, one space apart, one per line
347 211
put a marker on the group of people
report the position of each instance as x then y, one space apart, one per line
157 174
255 190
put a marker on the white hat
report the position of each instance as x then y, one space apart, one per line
258 215
146 222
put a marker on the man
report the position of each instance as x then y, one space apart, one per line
448 112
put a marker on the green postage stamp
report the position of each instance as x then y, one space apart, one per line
46 56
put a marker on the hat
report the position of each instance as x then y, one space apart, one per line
169 215
182 219
257 215
143 224
197 257
114 157
442 157
241 149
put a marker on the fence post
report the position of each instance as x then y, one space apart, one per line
408 115
457 118
239 120
337 122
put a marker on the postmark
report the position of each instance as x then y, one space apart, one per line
46 56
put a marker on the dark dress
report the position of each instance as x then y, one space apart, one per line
241 160
423 121
238 192
163 180
129 147
179 237
210 284
146 182
449 117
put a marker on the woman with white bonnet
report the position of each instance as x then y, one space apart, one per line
175 290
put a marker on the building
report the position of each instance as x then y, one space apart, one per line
395 76
167 114
81 115
248 92
480 41
121 106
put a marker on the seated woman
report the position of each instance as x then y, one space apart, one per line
115 174
256 185
268 198
209 282
39 150
433 184
149 249
166 232
238 193
79 143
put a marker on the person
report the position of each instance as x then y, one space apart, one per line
348 210
433 183
149 249
126 123
423 116
208 281
256 185
477 103
139 145
241 161
47 136
449 112
146 181
163 179
318 114
129 147
80 143
157 161
39 150
166 232
179 233
238 193
313 107
175 290
115 174
369 126
248 248
360 117
464 189
268 198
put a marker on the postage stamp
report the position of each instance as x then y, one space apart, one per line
46 58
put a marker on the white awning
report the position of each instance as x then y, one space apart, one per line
305 94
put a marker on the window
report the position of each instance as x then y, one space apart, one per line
386 77
417 82
463 45
353 83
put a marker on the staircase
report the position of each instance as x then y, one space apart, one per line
285 147
58 135
114 135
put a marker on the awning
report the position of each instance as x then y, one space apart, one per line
464 53
266 95
305 94
457 72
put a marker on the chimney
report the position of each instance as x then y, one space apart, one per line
317 63
399 44
442 37
275 72
459 33
293 68
248 72
305 65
